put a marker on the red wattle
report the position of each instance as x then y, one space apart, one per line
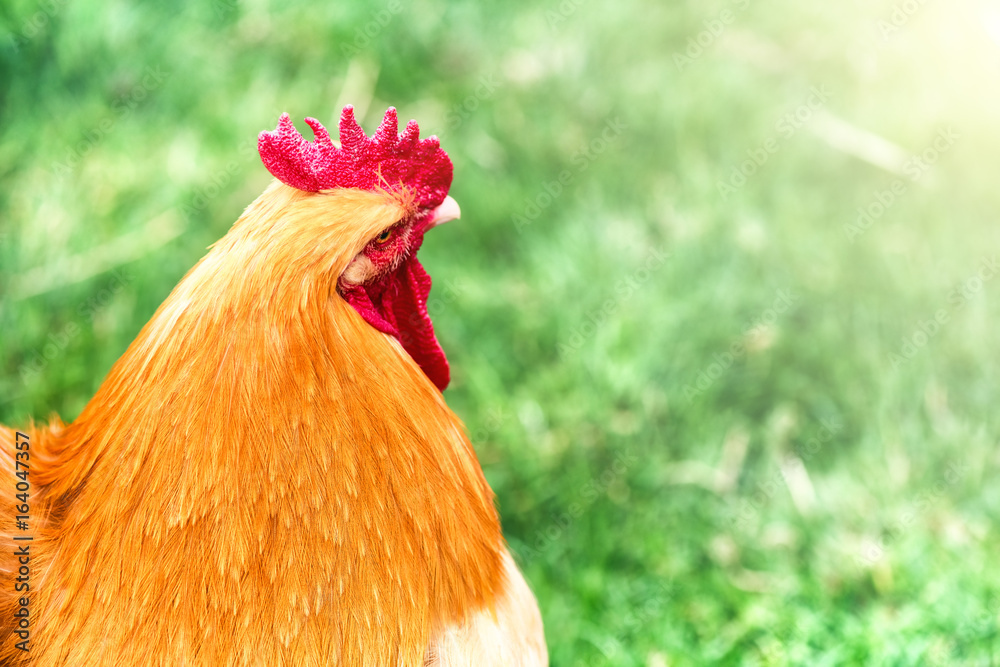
397 305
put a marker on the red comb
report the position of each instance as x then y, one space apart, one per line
386 160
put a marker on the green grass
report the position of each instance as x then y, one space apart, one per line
640 471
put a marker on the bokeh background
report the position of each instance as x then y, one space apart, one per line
720 310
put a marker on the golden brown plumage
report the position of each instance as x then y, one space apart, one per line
263 478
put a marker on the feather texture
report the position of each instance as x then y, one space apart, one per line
263 478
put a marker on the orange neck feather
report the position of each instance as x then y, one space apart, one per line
262 471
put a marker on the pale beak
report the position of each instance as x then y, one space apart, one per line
448 210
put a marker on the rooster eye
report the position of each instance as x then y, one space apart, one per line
383 237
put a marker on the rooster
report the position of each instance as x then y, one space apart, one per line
270 474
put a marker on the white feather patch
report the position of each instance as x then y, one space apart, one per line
510 635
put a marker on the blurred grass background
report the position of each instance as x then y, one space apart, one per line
729 419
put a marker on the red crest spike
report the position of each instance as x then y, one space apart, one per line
388 128
385 160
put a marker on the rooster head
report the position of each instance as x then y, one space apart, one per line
383 282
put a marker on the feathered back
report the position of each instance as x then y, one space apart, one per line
264 471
